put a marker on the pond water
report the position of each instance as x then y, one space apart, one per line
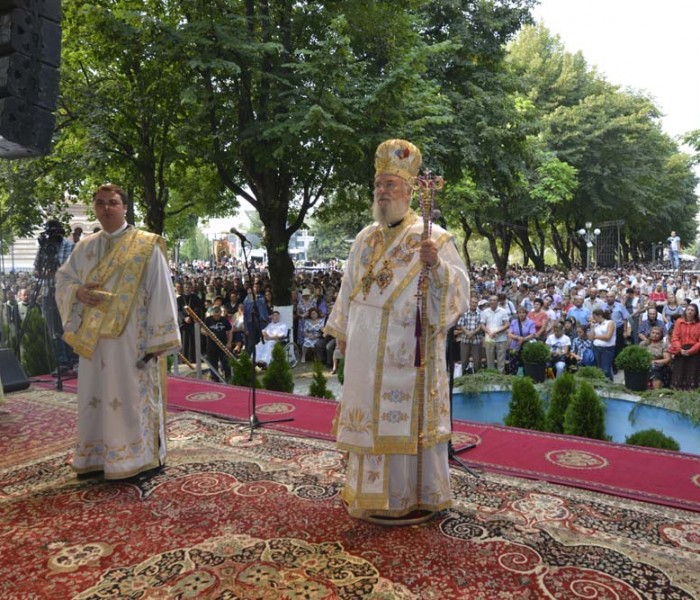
492 407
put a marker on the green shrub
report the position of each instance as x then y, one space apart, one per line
241 371
278 376
525 409
591 373
38 351
562 392
634 358
537 353
652 438
318 387
585 415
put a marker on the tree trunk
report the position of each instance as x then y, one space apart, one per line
561 249
467 236
279 262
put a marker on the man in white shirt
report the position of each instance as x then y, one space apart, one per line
674 243
276 331
495 324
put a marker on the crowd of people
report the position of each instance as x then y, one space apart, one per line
586 318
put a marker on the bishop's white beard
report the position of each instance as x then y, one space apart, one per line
390 213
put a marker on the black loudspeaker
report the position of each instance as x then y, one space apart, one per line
30 54
11 372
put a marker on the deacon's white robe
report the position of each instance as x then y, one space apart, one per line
394 419
121 409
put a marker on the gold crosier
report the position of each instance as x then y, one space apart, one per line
427 187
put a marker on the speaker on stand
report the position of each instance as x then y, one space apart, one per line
11 372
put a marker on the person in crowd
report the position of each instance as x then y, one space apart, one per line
570 327
304 305
269 305
233 302
660 372
579 312
619 316
275 332
674 246
218 301
633 303
222 330
539 316
646 325
117 302
581 353
521 330
495 324
658 296
672 307
255 316
238 329
603 334
470 336
684 347
528 301
190 300
77 234
592 301
313 336
560 345
397 463
320 298
505 303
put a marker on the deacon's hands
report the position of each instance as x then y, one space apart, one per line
429 253
84 294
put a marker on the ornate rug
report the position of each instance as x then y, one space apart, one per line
234 518
659 476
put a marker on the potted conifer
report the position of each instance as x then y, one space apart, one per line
535 357
635 361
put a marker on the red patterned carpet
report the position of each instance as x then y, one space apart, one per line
233 518
670 478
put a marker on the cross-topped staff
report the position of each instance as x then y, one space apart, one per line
427 187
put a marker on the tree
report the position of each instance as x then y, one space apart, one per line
292 98
123 112
278 375
562 392
525 409
482 149
338 220
611 139
319 387
585 415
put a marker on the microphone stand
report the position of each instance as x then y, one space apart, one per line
256 332
451 451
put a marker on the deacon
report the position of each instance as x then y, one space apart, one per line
394 417
119 314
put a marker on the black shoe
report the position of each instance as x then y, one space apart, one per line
89 475
143 476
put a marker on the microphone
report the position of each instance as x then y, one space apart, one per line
141 362
244 239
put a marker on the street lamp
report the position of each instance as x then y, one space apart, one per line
589 236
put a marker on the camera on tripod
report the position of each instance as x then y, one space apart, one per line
50 241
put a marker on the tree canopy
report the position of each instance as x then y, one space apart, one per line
195 106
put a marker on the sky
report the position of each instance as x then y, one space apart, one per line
648 45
